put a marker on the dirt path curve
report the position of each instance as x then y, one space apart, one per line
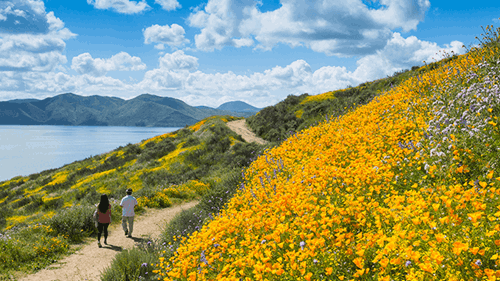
90 261
240 127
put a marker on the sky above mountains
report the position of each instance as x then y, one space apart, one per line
215 51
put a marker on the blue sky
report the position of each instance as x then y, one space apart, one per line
213 51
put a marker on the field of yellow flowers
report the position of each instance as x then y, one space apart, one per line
406 187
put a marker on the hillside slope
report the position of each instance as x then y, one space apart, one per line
42 214
403 188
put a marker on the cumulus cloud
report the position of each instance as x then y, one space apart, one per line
178 61
168 5
178 74
342 28
170 35
219 23
20 16
120 6
401 53
30 38
85 64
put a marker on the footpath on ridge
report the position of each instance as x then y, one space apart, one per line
88 262
240 127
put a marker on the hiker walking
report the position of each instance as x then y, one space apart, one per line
103 219
128 203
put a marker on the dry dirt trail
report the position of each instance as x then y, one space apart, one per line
88 262
240 127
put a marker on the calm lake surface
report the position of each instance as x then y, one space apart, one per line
25 150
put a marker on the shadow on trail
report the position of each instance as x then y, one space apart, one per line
139 239
112 247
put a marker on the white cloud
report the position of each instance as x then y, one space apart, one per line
30 38
168 5
342 28
169 35
219 23
178 61
399 54
85 64
120 6
178 76
401 13
273 85
160 46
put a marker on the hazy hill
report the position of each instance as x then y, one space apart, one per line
238 106
70 109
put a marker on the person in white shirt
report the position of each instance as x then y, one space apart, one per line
128 203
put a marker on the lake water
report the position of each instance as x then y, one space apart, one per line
25 150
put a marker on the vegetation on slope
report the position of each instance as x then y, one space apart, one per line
40 215
405 187
295 113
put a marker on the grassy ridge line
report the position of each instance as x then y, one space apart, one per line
57 205
402 188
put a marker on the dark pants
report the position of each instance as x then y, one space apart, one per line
102 227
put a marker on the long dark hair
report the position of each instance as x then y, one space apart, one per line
104 204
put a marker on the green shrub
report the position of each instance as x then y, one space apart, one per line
22 202
156 150
53 204
34 176
273 123
132 149
241 154
75 222
5 212
191 141
183 224
183 133
221 192
133 264
36 202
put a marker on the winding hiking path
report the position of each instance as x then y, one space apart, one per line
240 127
88 262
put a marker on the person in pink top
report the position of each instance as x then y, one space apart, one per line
103 219
128 203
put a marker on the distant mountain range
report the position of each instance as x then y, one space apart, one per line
145 110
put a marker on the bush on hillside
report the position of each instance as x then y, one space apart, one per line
156 150
274 123
5 212
241 154
131 264
75 222
191 141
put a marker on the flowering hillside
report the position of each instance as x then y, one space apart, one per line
42 214
405 187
